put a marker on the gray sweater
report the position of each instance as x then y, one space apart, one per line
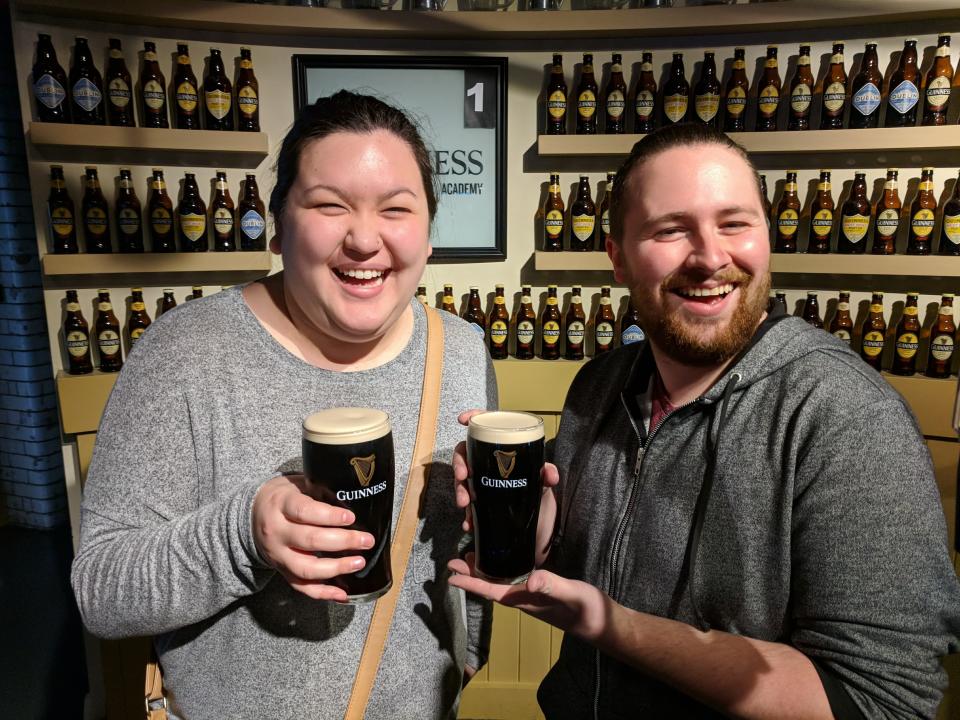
804 512
207 408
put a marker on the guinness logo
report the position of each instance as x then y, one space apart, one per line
364 467
505 461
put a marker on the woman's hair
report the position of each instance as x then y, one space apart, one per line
345 111
659 141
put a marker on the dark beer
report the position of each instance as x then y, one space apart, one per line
248 95
576 324
499 325
811 311
615 99
107 328
153 90
128 215
556 104
139 319
922 216
821 216
604 213
217 95
645 97
768 93
855 218
834 92
447 301
764 199
525 324
907 338
867 91
86 87
631 330
169 301
76 337
474 313
873 334
676 93
735 95
788 216
160 208
63 221
95 214
936 96
348 463
801 92
49 84
583 218
888 217
587 98
222 216
553 217
706 93
603 323
550 326
505 455
841 326
119 88
192 216
186 111
250 211
942 340
950 231
904 89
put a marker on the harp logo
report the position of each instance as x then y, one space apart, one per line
505 461
364 467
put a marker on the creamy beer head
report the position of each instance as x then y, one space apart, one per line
345 426
506 428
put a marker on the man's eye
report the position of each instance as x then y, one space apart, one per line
668 232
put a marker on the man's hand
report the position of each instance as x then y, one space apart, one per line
290 527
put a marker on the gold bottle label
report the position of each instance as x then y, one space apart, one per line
707 106
739 64
222 221
770 62
951 228
855 227
218 103
922 223
193 226
842 334
61 219
119 93
822 223
138 306
788 222
498 332
96 221
736 101
551 332
873 343
907 345
247 101
109 343
246 64
876 308
161 219
553 223
769 100
583 226
587 104
104 306
552 301
675 107
843 307
129 221
557 104
187 97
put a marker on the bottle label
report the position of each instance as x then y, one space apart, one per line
890 185
135 335
644 104
911 310
938 92
922 223
867 99
154 96
926 185
586 104
525 332
246 64
218 103
803 60
770 62
575 331
557 104
787 222
252 224
138 306
119 93
96 221
769 100
48 91
951 228
707 106
193 226
552 301
675 107
605 222
739 64
109 343
834 97
941 347
551 333
478 329
800 98
836 59
843 307
842 334
822 223
129 221
247 101
823 187
855 227
554 189
646 67
150 56
126 183
790 187
616 103
222 221
61 219
633 334
583 226
904 96
161 220
498 332
873 343
183 59
187 96
888 221
87 95
943 51
73 307
104 306
907 345
78 344
736 101
876 308
604 334
553 223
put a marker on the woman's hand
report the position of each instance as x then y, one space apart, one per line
290 527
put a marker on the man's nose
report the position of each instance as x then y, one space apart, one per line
708 251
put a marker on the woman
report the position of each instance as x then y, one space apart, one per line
202 535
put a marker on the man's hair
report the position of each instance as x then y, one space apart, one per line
345 111
659 141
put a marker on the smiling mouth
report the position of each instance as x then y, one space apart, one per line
361 277
703 294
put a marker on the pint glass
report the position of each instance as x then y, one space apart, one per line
348 462
505 453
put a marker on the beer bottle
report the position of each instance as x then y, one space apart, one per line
706 93
107 328
908 338
248 95
888 217
811 311
735 95
821 216
139 320
801 92
553 216
63 224
583 218
253 226
93 208
222 213
197 292
192 216
631 330
904 89
645 97
447 302
556 114
550 326
217 95
936 96
604 212
834 92
160 207
86 87
49 84
499 325
474 313
767 206
587 98
676 93
842 324
119 88
525 324
186 115
603 323
76 337
922 214
867 91
576 324
873 334
129 215
768 94
855 218
615 99
788 216
942 340
781 300
153 90
422 294
950 233
169 301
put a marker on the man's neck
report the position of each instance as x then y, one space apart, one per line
685 383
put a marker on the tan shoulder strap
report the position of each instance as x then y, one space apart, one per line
403 535
154 702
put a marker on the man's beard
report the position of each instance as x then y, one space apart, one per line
681 339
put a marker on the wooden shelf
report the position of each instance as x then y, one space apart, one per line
569 260
82 399
574 24
143 263
536 384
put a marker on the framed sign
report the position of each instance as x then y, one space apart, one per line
460 105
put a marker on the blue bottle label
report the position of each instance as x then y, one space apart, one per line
632 334
904 96
252 224
867 99
86 94
48 91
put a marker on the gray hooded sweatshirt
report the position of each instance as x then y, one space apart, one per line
793 502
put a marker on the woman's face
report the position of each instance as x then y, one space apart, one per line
354 235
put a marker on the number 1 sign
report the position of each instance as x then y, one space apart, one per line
460 105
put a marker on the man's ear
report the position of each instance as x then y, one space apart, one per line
615 253
275 240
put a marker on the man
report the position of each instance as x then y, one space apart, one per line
748 510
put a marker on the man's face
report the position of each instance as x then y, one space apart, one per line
695 252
